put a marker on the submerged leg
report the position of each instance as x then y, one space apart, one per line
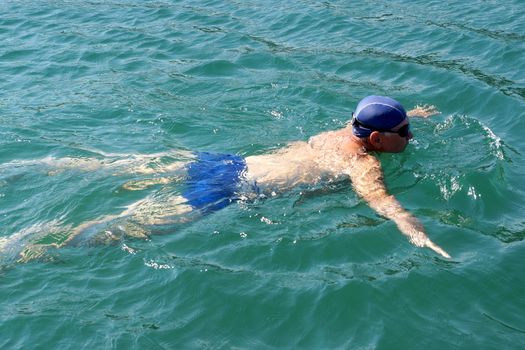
118 164
138 185
136 164
158 210
138 221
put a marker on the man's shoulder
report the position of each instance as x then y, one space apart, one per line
360 163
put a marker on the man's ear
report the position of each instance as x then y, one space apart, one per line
376 139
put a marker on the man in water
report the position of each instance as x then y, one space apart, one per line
379 124
213 181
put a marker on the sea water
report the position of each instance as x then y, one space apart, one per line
314 268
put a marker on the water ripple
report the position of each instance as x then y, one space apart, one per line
315 268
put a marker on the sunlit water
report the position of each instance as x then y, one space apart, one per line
314 268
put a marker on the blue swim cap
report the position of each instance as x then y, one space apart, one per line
379 113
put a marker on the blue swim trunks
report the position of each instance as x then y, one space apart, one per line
213 181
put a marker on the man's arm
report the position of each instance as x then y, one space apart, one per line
367 179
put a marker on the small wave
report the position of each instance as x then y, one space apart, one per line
509 234
506 86
475 164
468 125
215 68
494 34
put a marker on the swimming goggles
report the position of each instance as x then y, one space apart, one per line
402 131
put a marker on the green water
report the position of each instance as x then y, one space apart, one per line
312 269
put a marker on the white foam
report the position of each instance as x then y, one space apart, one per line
494 142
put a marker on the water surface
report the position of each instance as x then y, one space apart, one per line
312 269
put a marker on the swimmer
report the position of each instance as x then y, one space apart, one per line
213 181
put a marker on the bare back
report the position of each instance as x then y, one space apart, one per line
325 157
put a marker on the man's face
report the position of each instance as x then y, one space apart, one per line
395 141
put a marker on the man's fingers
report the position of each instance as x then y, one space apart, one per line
423 111
437 249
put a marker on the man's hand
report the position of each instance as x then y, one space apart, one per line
436 248
423 111
412 228
420 239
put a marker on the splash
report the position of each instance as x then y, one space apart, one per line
495 142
